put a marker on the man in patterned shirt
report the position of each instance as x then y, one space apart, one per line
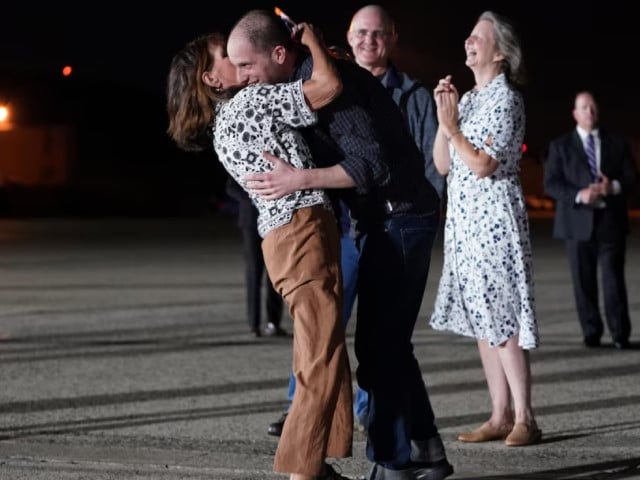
363 147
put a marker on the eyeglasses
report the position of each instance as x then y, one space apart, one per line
375 34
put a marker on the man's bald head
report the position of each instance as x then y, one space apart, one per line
377 11
261 48
372 37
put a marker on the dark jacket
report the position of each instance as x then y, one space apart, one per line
417 105
364 131
566 171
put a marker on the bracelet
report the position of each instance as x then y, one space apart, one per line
457 132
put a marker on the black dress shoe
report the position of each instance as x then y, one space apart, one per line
276 427
331 474
592 342
255 332
272 330
622 344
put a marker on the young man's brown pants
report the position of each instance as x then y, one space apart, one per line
303 261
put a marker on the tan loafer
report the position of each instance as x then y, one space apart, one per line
485 433
523 434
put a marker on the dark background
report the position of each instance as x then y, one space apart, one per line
120 53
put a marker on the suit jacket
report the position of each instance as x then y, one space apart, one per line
566 171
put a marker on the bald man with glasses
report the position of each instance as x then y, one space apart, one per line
372 36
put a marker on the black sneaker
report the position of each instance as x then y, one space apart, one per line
276 427
434 471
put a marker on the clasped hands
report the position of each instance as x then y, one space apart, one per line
594 192
446 97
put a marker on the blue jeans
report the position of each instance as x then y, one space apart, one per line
349 257
394 265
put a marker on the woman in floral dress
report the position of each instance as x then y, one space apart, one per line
486 290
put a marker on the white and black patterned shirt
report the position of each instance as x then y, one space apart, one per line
261 118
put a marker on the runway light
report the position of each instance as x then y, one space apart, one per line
66 70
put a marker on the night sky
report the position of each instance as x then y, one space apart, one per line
119 44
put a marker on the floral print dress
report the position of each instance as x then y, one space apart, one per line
486 290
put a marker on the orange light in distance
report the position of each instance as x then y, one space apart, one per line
66 70
5 117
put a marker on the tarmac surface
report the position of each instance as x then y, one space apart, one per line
125 354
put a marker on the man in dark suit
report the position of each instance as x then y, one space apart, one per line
592 217
254 267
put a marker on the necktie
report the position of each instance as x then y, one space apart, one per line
590 149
